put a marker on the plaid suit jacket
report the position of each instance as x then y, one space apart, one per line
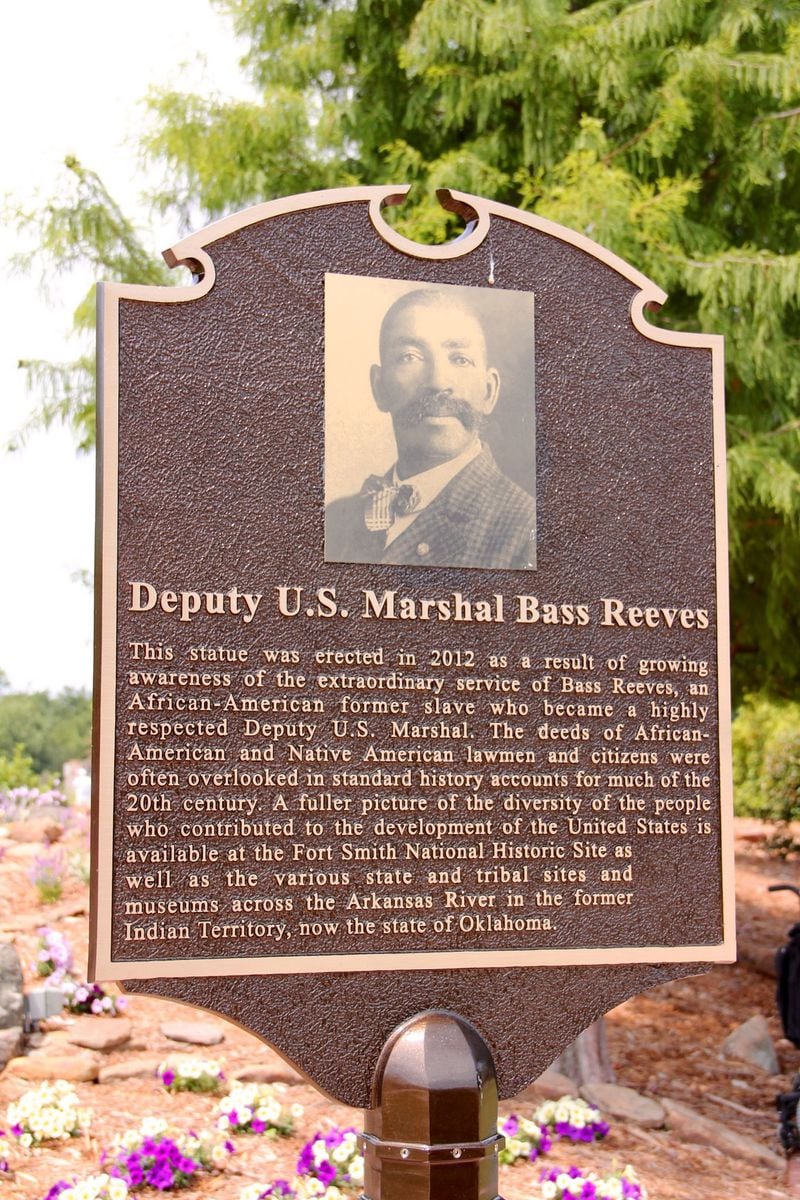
480 519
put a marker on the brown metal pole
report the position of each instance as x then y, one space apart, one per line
431 1130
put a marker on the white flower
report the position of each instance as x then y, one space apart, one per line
86 1190
153 1126
117 1189
313 1187
219 1154
549 1190
356 1169
252 1191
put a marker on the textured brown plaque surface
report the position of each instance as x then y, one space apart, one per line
331 794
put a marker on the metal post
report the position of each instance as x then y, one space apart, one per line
431 1130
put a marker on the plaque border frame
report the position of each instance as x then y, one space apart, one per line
192 253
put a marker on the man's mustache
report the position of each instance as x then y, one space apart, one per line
439 404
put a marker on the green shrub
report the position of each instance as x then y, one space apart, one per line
766 759
16 770
782 773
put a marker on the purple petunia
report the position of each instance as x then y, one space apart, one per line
135 1176
306 1159
56 1190
586 1133
160 1176
326 1172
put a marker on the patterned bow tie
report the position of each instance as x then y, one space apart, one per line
387 502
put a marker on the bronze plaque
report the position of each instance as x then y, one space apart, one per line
412 686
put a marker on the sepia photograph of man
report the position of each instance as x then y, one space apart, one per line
435 385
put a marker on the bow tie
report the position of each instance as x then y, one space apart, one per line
387 502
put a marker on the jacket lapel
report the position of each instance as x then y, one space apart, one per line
442 533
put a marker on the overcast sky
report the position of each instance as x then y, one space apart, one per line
73 77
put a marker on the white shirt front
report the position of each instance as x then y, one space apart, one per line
428 485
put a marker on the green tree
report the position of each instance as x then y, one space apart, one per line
667 130
80 229
50 729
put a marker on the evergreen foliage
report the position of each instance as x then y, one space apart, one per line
667 130
80 228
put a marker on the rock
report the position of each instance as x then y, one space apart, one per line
55 1042
100 1033
55 913
625 1104
19 854
75 1068
12 1004
751 1043
552 1085
10 1043
690 1126
56 1024
134 1068
196 1033
758 957
277 1072
37 829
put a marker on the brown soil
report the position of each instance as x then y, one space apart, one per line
665 1043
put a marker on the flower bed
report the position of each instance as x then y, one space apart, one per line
331 1160
156 1155
257 1108
191 1075
47 1113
